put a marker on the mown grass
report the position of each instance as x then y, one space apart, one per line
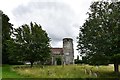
67 71
0 71
8 72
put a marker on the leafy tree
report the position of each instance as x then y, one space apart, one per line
78 61
0 37
6 33
77 57
99 37
31 43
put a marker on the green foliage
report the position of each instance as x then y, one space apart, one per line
78 61
115 58
99 37
6 33
0 36
31 43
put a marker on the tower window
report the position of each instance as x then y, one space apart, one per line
66 53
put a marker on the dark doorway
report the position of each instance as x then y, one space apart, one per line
58 61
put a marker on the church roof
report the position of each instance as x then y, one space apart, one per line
57 51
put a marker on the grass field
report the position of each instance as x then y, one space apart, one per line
68 71
0 72
8 72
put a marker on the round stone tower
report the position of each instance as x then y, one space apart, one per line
68 51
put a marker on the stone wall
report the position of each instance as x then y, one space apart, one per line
68 51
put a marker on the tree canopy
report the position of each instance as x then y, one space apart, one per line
0 36
6 33
99 37
31 43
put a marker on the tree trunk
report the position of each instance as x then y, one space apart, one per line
31 64
116 67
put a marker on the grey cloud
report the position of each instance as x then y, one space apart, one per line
55 17
20 10
32 6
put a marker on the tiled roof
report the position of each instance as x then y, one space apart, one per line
57 51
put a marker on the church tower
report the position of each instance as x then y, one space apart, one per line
68 51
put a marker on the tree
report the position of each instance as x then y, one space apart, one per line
31 43
6 33
0 36
99 37
78 61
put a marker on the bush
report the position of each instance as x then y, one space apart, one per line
15 63
78 61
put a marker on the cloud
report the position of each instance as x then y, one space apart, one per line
57 17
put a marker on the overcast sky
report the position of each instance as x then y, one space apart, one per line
60 18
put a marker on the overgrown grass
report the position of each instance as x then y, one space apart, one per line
67 71
53 72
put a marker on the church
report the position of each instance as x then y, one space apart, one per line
63 55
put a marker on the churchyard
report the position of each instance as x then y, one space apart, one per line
98 43
60 71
